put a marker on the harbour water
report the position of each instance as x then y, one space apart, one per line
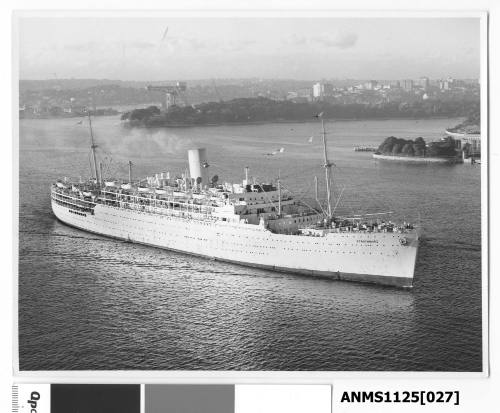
88 302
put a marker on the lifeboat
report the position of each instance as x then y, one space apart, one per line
126 186
110 183
60 185
143 189
86 193
160 191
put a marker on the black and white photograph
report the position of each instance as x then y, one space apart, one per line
231 192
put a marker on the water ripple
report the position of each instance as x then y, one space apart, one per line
88 302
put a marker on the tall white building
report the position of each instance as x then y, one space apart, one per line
318 90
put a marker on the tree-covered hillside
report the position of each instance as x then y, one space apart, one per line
249 110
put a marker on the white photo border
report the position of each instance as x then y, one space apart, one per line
194 376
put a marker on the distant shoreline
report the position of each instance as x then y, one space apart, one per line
279 121
417 159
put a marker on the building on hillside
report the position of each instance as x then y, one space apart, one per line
407 84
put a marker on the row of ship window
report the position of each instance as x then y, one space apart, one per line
182 214
294 249
77 213
257 198
157 233
71 206
196 238
257 246
239 251
64 196
290 241
254 246
161 216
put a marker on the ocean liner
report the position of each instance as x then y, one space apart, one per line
250 223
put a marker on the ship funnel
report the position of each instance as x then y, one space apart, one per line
198 165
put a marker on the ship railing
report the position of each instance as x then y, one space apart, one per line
302 214
110 196
75 200
311 232
69 194
162 206
76 206
180 213
170 209
373 228
319 230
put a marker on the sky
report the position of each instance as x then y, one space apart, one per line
128 48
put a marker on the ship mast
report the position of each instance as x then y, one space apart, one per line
316 189
92 147
129 172
328 167
101 168
279 193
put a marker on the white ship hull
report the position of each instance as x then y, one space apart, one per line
375 257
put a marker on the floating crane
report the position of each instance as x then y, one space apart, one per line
171 93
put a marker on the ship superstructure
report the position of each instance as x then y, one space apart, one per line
251 223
